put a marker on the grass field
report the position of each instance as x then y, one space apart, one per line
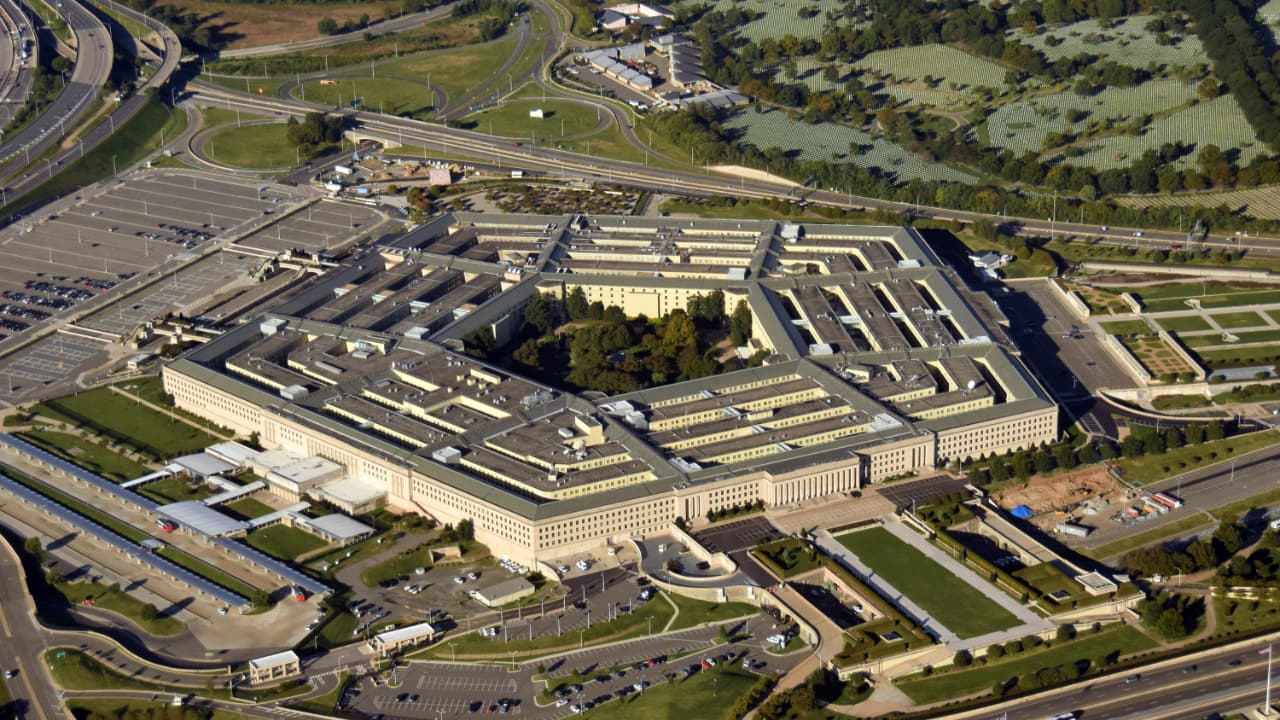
942 686
173 489
384 95
787 557
1260 202
105 598
1126 327
1234 320
561 119
89 455
1211 295
259 147
960 607
696 612
708 695
248 508
456 71
127 421
950 68
283 542
1149 468
1239 356
73 670
1184 323
402 564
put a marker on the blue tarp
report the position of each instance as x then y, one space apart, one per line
1022 512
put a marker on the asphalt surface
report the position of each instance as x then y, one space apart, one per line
93 65
15 86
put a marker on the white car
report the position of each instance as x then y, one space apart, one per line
459 579
562 702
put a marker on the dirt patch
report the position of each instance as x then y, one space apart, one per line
1046 494
269 24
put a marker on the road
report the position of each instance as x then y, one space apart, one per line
122 113
1177 691
15 87
93 65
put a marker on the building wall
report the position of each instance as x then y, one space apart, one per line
508 534
1016 432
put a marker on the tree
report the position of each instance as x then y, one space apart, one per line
148 612
537 315
327 26
528 354
33 548
740 323
575 304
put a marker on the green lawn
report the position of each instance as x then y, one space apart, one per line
174 489
1126 327
1240 356
324 704
283 542
119 602
1149 468
1184 323
384 95
74 670
943 686
706 695
960 607
696 612
248 508
455 71
118 417
87 454
560 119
263 146
1242 319
402 564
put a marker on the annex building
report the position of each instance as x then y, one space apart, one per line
879 363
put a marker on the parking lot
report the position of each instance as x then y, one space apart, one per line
739 535
905 494
322 225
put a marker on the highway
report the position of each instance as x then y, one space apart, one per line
93 65
15 86
119 115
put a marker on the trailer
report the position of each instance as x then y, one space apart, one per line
1073 529
1167 500
343 170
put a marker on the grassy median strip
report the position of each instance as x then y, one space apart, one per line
1150 468
954 603
943 686
1177 527
133 141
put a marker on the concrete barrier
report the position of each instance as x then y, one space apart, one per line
1182 353
1072 300
1134 303
1126 358
1190 270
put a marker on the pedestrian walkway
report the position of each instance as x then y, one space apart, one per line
1030 622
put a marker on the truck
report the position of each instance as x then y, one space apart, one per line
343 170
1073 529
1167 500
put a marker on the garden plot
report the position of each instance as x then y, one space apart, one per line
1156 356
949 68
831 141
1126 42
1022 126
779 18
1219 122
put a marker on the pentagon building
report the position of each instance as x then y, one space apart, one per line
879 363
